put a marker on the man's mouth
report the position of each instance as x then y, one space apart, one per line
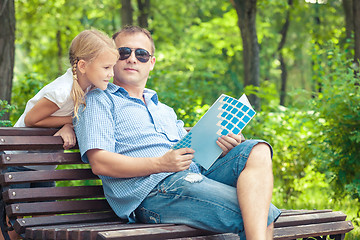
130 69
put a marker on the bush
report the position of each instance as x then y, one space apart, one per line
339 115
4 108
24 89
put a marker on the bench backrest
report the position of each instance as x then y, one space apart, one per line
38 146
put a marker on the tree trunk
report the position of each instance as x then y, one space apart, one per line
144 9
283 33
59 60
126 13
349 20
246 11
356 16
7 49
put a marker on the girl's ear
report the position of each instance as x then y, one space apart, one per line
81 65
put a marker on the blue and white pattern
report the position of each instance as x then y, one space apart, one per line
234 116
226 115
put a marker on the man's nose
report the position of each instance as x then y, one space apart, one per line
132 57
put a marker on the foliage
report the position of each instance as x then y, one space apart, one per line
339 112
5 108
24 89
290 132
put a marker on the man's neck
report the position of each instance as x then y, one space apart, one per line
134 91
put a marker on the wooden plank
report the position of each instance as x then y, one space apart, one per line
88 232
54 158
312 230
45 176
60 207
63 231
26 131
323 217
220 236
285 212
30 142
155 233
44 221
52 193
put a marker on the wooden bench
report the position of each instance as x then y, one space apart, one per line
81 211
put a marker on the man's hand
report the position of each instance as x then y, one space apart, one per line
228 142
68 135
176 160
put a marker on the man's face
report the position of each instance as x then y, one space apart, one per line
131 72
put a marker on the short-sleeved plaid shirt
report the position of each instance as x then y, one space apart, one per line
115 122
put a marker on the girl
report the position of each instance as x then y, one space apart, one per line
92 56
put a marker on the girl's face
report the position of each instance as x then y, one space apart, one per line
99 71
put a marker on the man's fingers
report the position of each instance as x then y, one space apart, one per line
185 150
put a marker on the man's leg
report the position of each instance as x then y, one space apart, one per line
210 202
248 167
254 189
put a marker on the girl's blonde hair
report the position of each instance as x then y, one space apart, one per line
87 45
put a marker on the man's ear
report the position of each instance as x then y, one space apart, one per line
81 65
152 62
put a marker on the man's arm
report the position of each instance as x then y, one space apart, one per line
120 166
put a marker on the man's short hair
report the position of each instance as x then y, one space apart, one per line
136 29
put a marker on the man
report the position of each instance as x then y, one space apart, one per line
126 134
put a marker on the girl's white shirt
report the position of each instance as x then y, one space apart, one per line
58 91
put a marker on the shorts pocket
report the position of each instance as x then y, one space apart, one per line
146 216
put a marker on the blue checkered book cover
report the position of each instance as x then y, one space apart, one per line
226 115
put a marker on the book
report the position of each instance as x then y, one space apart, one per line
226 115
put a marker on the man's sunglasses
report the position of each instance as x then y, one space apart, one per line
141 54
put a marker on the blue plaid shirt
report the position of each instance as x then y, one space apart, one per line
115 122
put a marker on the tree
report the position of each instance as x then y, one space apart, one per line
356 18
283 32
7 48
144 10
126 13
246 11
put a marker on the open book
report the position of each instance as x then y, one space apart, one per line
226 115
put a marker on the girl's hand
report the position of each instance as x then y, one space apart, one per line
228 142
68 135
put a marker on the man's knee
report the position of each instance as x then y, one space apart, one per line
260 155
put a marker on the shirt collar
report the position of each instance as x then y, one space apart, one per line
148 93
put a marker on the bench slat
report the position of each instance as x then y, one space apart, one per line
45 176
43 221
285 212
312 230
310 219
30 142
25 131
86 231
55 158
52 193
157 233
60 207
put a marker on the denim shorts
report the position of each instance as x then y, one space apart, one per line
207 200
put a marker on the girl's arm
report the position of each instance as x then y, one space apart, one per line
40 115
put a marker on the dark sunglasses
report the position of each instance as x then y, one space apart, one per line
141 54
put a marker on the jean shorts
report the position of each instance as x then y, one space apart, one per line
207 200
